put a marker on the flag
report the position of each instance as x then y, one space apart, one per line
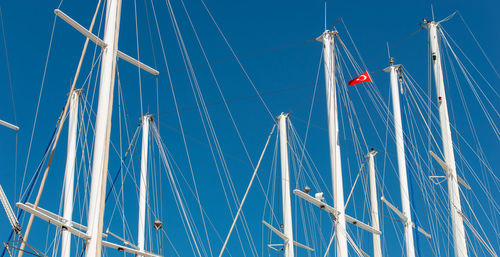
360 79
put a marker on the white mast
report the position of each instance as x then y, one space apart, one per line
333 132
69 177
377 249
400 147
449 156
103 128
144 182
285 187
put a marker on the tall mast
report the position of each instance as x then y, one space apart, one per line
144 182
102 131
400 148
333 131
285 187
377 249
449 156
69 176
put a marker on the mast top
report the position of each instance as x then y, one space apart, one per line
392 65
78 91
147 116
282 115
327 33
428 23
371 153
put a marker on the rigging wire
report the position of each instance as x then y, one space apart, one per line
245 98
395 45
225 59
479 45
237 59
9 76
246 192
173 183
190 189
138 56
31 184
39 99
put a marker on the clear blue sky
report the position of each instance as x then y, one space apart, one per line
250 26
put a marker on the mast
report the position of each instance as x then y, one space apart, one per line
377 249
400 148
333 131
285 187
449 156
69 176
144 182
103 128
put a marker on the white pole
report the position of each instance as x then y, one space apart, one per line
102 131
69 176
144 182
377 249
285 187
400 148
333 132
449 156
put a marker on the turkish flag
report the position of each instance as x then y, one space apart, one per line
360 79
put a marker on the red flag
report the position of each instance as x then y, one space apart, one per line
360 79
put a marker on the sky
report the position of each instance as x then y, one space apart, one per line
273 42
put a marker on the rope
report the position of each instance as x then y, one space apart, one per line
246 192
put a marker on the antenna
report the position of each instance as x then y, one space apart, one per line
325 14
388 50
432 11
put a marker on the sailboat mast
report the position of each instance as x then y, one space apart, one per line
103 129
144 182
69 176
333 132
377 248
449 156
400 148
285 187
